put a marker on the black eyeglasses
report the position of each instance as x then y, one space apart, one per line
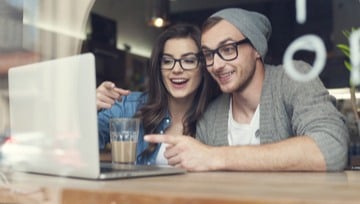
187 62
226 52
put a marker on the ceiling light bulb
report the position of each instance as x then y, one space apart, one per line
158 22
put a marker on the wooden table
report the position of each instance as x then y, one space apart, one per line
207 187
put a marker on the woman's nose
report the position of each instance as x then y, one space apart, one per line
177 67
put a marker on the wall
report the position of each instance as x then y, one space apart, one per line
132 28
346 15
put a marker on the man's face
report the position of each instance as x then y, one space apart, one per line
236 67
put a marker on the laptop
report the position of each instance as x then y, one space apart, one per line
53 121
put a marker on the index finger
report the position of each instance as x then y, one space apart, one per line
122 91
108 84
158 138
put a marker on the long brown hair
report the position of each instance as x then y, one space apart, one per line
156 107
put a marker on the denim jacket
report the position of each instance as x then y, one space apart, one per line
127 107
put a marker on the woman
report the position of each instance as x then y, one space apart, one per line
179 88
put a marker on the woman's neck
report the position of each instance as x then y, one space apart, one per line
178 108
177 111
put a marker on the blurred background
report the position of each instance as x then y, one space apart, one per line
121 34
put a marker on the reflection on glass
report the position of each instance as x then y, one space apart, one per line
34 31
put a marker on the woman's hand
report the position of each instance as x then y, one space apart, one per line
107 93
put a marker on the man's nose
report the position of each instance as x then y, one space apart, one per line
218 61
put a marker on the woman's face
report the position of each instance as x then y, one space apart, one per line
181 83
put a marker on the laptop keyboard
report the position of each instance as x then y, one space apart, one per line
108 167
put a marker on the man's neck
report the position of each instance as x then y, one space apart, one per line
243 109
245 101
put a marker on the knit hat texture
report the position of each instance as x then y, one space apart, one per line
255 26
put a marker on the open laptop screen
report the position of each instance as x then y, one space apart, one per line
53 122
53 117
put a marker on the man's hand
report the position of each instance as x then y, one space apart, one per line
107 93
185 152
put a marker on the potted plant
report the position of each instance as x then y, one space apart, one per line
345 49
354 146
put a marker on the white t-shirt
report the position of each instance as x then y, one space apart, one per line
243 134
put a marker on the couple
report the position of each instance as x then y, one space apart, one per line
263 121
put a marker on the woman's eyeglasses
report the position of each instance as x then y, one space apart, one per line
187 62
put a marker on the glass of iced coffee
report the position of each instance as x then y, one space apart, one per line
124 133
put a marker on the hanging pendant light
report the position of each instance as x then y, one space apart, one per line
159 11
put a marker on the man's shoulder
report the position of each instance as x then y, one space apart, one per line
277 75
300 65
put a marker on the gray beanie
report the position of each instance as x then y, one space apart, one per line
255 26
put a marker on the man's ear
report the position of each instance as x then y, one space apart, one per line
257 55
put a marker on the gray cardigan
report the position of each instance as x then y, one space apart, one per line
287 108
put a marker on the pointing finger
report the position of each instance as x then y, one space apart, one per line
108 84
157 138
122 92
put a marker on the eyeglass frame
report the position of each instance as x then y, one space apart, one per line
216 51
197 55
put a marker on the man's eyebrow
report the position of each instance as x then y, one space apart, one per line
223 42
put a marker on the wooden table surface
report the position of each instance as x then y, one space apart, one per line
207 187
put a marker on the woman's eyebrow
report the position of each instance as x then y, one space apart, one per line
189 53
182 55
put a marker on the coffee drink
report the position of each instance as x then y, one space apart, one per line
123 151
124 134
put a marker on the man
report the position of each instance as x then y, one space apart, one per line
264 121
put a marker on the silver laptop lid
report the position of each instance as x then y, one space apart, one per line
53 118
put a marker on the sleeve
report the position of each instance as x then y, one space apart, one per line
314 114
